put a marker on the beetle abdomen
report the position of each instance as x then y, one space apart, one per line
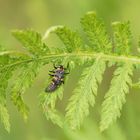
51 87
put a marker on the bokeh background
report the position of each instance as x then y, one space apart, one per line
42 14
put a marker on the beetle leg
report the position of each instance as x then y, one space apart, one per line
52 71
51 74
54 66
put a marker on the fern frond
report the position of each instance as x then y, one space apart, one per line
23 81
85 93
71 39
48 103
96 33
5 75
122 38
115 97
93 55
4 116
54 116
32 41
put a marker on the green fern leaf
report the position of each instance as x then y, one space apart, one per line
122 38
96 33
85 93
32 41
71 39
115 97
5 75
53 115
23 81
48 102
4 117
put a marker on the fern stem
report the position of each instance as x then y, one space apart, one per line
106 57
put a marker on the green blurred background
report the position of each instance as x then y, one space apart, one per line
42 14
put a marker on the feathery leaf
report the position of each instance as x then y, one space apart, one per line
115 97
32 41
122 38
71 39
4 116
96 33
48 103
5 75
93 55
23 81
85 93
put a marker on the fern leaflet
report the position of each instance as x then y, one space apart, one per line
115 97
85 93
24 80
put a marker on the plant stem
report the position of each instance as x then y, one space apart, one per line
106 57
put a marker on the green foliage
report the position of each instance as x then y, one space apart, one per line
115 97
32 41
25 77
5 74
92 54
48 103
96 33
71 40
4 117
85 93
122 38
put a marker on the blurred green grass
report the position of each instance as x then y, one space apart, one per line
40 15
